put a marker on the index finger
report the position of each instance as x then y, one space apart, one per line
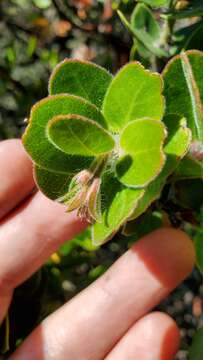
16 180
90 325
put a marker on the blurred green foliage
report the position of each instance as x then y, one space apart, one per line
36 35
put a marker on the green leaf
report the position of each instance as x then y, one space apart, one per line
189 193
143 158
145 224
54 185
180 135
154 3
195 8
189 168
143 37
188 37
35 139
153 191
198 242
183 89
142 19
80 78
77 135
118 204
195 39
196 349
134 93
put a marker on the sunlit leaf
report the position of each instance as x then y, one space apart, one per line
35 139
179 138
77 135
80 78
134 93
183 89
118 203
179 135
142 154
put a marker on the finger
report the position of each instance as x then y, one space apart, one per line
16 180
29 236
154 337
91 324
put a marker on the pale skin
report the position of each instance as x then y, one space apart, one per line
110 319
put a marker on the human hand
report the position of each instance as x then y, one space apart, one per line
108 319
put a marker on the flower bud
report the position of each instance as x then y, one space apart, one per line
82 178
78 200
93 200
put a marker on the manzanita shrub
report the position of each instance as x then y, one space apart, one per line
110 147
126 151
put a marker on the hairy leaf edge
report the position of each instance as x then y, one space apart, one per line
34 170
162 157
109 237
82 118
42 101
69 61
180 57
179 158
151 74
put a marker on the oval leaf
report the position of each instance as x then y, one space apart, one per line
36 142
54 185
117 205
80 78
180 135
77 135
134 93
143 37
142 19
184 96
143 159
